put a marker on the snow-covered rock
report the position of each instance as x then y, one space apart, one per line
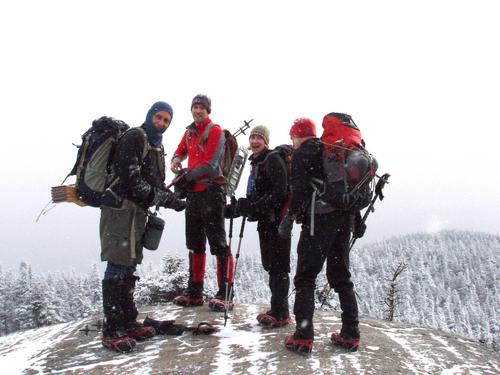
243 347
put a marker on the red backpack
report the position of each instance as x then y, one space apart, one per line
349 169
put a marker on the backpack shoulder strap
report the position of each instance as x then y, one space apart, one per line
204 136
147 146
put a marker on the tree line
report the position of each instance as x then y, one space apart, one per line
446 281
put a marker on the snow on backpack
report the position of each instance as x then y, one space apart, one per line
348 167
93 167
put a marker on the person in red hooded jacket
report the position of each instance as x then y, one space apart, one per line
203 146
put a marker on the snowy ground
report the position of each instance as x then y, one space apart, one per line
243 347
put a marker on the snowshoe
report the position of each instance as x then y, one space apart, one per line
298 345
267 320
185 300
139 332
118 341
347 342
217 304
165 327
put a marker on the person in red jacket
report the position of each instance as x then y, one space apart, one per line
203 146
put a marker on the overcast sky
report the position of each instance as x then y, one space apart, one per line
421 79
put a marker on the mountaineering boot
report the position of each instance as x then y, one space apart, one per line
225 279
298 344
118 341
193 295
114 335
268 319
279 315
302 340
348 338
133 328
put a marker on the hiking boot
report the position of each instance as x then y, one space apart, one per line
185 300
298 345
268 320
139 332
346 341
217 304
118 341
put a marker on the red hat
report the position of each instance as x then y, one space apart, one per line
303 127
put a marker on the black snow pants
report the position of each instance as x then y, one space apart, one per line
275 256
330 242
205 220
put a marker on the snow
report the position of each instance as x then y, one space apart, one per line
20 350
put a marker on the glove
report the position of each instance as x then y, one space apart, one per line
231 211
165 327
183 183
359 227
244 207
177 204
285 227
167 199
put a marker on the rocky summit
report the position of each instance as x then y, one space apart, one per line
244 347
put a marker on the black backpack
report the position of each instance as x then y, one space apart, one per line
285 152
349 178
93 166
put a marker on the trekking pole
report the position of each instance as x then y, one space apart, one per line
237 256
384 179
242 129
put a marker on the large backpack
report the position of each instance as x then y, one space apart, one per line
93 166
349 169
233 159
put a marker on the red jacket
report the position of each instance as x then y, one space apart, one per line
204 152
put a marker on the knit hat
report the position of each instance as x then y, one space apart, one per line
262 131
303 127
155 135
202 100
157 107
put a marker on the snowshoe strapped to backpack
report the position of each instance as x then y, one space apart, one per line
93 163
348 167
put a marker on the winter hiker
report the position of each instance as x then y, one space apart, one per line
203 146
328 241
267 193
140 185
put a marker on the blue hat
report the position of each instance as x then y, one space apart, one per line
155 135
157 107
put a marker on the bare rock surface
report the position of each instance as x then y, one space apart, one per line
244 347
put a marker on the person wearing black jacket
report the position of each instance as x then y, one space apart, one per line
139 165
325 235
267 193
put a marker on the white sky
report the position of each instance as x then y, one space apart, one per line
421 79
